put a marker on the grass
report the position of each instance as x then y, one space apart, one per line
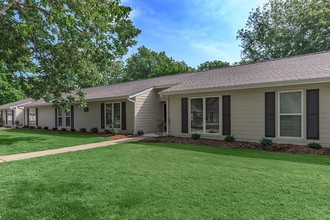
166 181
22 141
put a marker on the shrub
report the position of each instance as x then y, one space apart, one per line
230 138
140 133
107 131
54 128
94 130
46 128
25 126
1 122
32 127
73 129
195 136
63 129
83 130
160 127
39 127
17 123
314 145
114 131
266 142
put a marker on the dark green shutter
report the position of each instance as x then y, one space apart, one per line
270 114
226 115
28 116
184 115
12 117
37 117
56 117
123 116
313 114
102 116
6 117
72 116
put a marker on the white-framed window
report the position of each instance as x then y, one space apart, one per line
291 114
32 117
9 118
113 115
205 115
64 119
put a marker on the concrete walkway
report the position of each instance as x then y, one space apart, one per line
24 156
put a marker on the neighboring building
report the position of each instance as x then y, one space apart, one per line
13 112
287 100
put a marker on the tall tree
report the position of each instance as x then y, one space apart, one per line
208 65
147 64
10 89
284 28
58 45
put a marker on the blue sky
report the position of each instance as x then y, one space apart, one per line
191 30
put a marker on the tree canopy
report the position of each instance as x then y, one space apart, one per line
147 64
208 65
56 46
10 89
284 28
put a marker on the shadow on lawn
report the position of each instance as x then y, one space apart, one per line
7 140
257 154
37 200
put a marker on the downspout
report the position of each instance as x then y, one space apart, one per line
167 113
131 100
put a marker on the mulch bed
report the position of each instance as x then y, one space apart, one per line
288 148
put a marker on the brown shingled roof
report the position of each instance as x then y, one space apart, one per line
307 68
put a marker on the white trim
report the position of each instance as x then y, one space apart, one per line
204 114
112 115
288 114
140 93
248 86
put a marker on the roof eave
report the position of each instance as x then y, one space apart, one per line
248 86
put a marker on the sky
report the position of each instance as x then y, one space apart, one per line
193 31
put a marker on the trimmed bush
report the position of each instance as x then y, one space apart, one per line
266 142
314 145
95 130
83 130
107 131
73 129
54 128
140 133
114 131
46 128
39 127
230 138
63 129
195 136
25 126
32 127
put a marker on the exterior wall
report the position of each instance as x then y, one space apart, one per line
148 111
19 115
248 113
88 120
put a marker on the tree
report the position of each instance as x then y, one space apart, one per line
285 28
56 46
147 64
208 65
10 90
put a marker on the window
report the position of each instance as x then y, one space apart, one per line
32 116
113 115
290 112
204 115
9 118
64 119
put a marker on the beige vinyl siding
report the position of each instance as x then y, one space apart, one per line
148 111
19 115
248 113
46 116
92 118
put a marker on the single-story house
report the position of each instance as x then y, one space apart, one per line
286 99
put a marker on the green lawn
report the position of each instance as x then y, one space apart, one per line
166 181
22 141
